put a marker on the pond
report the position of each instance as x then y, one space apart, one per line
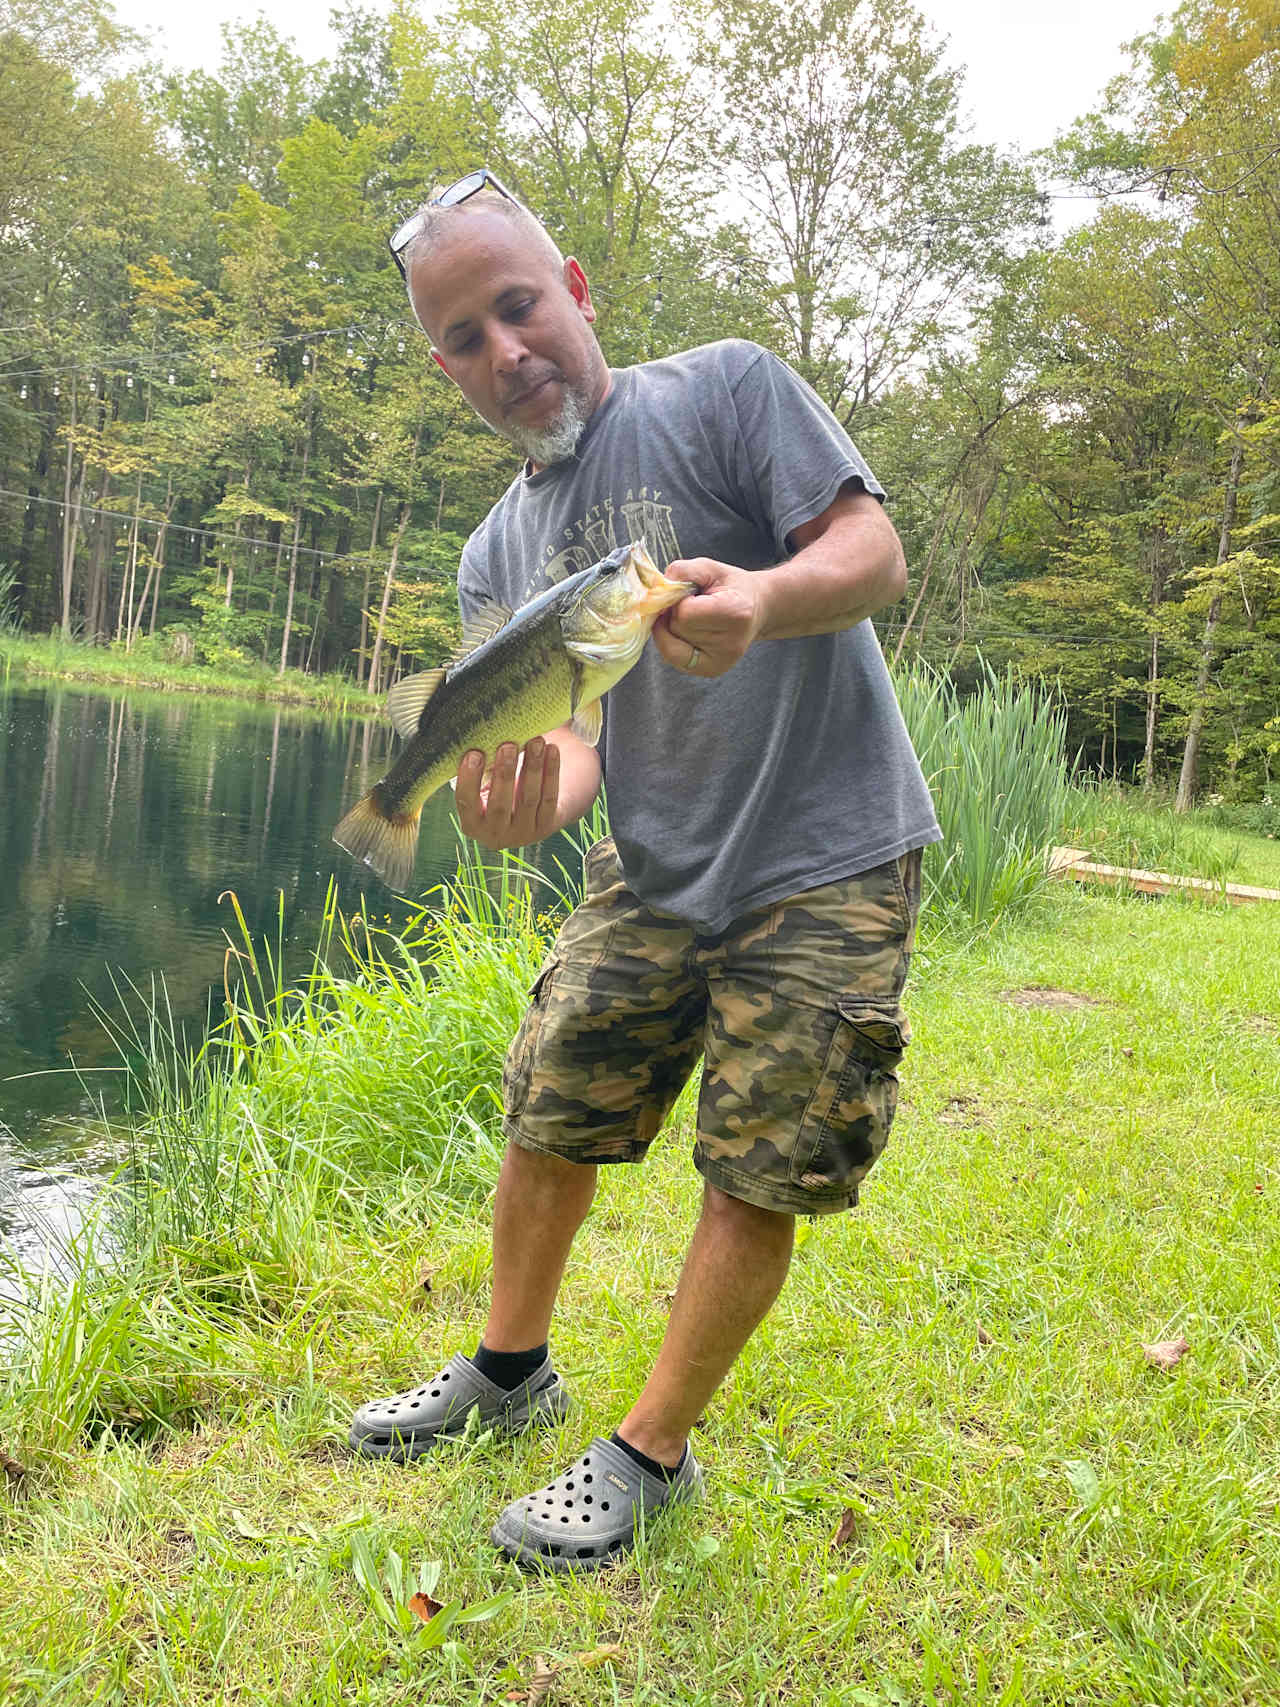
125 817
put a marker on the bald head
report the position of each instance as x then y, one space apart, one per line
439 224
510 321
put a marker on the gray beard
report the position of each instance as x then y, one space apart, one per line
557 441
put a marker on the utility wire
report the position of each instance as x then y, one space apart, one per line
947 631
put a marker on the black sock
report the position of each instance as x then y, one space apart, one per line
508 1368
651 1464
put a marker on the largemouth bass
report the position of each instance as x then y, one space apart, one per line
519 675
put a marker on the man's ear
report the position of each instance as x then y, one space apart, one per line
576 284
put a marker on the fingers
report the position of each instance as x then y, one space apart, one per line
519 806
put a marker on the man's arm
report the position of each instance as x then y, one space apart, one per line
848 564
553 785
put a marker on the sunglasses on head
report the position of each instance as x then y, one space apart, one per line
483 179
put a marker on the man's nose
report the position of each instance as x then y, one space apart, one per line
507 347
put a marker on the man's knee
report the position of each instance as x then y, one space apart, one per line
734 1215
539 1170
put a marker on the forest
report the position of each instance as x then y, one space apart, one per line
222 437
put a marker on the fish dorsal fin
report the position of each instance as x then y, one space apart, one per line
408 699
484 622
587 722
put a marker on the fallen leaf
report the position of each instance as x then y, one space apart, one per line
544 1676
846 1527
425 1607
985 1336
606 1652
1084 1481
1166 1354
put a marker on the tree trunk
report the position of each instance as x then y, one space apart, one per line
70 523
1191 751
131 567
1153 668
364 597
375 663
293 556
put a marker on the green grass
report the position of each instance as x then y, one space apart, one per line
1085 1160
52 659
1125 827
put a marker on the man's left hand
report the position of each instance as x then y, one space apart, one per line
708 631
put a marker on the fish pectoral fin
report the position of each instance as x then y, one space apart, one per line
408 699
484 622
587 722
604 652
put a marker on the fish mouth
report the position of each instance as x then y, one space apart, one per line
659 591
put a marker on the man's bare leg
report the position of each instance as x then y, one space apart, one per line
541 1202
734 1270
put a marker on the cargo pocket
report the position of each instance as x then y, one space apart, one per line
851 1110
517 1069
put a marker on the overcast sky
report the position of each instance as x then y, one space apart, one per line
1031 69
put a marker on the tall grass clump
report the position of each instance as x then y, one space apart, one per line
315 1118
996 763
1121 827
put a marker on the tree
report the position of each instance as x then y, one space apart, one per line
884 228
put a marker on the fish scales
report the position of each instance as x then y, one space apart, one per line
549 664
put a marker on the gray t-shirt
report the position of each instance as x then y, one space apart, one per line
793 769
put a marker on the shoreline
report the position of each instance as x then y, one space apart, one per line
350 701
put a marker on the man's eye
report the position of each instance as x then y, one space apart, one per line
521 310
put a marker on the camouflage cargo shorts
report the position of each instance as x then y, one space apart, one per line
795 1010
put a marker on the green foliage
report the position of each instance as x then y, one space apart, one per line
997 767
215 339
10 605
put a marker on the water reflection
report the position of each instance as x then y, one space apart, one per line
123 818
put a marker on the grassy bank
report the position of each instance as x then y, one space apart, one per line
944 1471
46 659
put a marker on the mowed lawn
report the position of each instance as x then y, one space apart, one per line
945 1470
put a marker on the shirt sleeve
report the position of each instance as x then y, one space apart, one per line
794 455
474 587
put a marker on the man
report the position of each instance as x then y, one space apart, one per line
756 902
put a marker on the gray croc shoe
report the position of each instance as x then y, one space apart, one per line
407 1424
586 1517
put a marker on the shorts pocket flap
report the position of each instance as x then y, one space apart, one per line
883 1035
544 973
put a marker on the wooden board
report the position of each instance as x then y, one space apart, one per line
1075 863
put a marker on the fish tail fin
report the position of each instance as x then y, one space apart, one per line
387 841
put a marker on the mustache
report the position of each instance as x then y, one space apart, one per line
530 384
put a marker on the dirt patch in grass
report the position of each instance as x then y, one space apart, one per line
962 1111
1263 1026
1044 996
